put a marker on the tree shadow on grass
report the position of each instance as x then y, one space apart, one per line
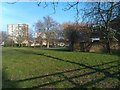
94 69
59 49
5 84
77 85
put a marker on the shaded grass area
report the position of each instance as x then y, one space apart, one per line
38 68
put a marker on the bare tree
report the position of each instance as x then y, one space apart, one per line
19 36
71 35
47 27
116 25
3 36
76 33
102 13
5 40
39 29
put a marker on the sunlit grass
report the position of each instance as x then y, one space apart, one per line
27 63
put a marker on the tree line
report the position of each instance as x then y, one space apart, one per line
105 15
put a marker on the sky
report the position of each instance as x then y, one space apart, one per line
29 13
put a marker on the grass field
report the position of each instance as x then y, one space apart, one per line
57 68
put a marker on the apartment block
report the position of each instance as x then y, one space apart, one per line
16 31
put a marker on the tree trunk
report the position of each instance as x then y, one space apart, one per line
82 47
12 42
48 44
34 43
108 38
19 45
108 45
72 46
40 42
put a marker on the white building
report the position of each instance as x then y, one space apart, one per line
18 30
38 35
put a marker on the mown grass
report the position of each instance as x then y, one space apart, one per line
57 68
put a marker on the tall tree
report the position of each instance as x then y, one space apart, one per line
39 30
102 13
115 24
49 24
47 27
76 33
19 36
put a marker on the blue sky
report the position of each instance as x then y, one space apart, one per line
29 13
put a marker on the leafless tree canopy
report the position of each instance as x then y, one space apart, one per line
99 13
48 27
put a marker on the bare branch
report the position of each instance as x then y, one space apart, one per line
54 5
45 5
70 6
12 2
77 14
101 13
39 3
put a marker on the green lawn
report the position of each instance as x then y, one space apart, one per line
56 68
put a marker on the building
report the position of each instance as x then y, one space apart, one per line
39 37
18 33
